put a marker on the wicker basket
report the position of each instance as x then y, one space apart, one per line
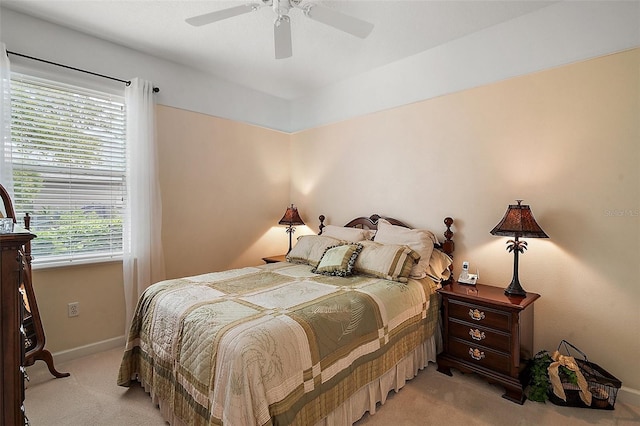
602 385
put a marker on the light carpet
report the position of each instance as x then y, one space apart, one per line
90 396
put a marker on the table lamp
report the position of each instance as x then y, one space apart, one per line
291 218
517 222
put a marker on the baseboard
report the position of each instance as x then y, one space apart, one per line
39 372
629 396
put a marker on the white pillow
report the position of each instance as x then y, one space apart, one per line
438 269
419 240
347 234
310 248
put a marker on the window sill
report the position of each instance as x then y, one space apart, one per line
53 264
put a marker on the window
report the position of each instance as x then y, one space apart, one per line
69 169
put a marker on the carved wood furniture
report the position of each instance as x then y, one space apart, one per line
371 222
34 332
11 337
488 333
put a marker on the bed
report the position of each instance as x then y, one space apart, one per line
317 340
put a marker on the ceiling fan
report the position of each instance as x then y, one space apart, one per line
282 24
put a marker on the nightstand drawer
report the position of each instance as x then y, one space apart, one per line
481 315
480 355
475 334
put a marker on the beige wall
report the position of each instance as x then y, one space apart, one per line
565 140
98 288
224 186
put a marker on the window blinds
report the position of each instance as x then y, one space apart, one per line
69 168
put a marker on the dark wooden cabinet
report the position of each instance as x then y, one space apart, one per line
488 333
11 334
21 333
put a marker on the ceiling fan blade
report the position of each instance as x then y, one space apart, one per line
282 37
346 23
219 15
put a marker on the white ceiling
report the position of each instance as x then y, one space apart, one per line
240 49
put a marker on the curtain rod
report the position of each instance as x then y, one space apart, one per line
155 89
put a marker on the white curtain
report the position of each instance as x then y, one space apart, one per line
143 254
6 168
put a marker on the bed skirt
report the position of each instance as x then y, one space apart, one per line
366 398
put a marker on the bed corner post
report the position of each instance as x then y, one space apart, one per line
448 246
321 227
448 234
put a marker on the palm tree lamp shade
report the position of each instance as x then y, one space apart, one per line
517 222
291 218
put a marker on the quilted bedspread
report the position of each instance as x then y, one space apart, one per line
273 344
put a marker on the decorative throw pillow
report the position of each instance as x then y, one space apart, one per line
347 234
388 261
310 248
420 240
338 260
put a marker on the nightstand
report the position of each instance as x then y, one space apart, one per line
488 333
274 259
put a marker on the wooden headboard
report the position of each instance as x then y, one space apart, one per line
371 222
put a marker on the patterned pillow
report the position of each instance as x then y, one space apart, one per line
420 240
338 260
310 248
388 261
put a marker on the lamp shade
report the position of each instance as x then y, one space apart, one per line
291 217
518 221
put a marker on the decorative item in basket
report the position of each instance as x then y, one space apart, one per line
592 386
574 378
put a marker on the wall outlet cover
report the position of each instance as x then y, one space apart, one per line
73 309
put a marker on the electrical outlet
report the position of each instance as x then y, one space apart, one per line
73 309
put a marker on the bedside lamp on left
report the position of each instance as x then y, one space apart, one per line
291 218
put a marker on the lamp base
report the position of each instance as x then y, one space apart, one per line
515 290
290 230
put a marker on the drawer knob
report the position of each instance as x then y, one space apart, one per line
476 354
476 334
476 315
